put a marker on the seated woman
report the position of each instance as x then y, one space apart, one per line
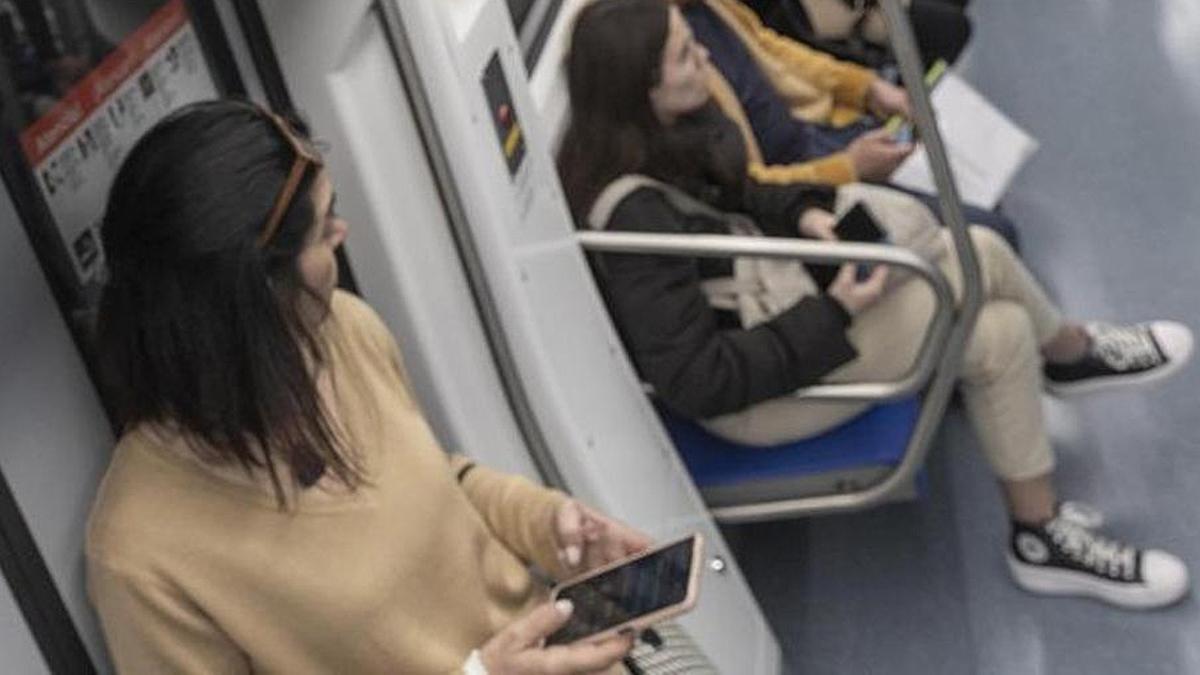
640 106
277 502
805 115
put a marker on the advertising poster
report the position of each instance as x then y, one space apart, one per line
76 147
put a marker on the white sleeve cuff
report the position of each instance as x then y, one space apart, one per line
474 664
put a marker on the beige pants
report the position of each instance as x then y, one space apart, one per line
1000 380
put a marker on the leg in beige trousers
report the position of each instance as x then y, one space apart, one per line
1001 369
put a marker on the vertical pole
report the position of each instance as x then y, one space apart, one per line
904 45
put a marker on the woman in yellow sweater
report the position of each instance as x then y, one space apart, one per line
277 503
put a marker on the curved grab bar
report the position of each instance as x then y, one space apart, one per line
724 246
933 404
941 385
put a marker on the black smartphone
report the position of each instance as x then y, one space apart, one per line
857 225
631 595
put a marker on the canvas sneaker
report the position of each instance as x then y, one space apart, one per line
1064 557
1123 355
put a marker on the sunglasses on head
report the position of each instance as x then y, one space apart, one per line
306 156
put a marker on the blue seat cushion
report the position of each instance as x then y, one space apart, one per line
877 437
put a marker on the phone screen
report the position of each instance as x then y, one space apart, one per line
857 224
627 592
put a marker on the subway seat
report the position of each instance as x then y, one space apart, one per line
854 455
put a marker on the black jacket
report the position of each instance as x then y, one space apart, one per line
700 362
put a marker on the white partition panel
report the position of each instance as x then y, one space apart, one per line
586 402
18 652
342 75
54 437
605 439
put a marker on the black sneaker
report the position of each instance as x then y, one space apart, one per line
1065 558
1123 355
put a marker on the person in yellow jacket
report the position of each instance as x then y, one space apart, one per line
806 117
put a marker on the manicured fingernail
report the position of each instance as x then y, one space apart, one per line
564 607
573 555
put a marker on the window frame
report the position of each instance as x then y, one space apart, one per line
533 28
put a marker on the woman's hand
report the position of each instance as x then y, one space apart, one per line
518 650
856 295
587 539
885 98
818 224
876 154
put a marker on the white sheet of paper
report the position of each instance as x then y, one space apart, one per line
985 147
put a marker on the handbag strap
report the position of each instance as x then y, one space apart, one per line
722 293
615 192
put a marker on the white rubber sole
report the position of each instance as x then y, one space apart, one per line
1037 579
1175 339
1095 384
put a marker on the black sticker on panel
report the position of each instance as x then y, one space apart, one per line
509 133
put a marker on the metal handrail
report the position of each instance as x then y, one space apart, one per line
937 396
727 246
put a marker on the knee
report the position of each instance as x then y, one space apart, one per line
989 243
1003 339
996 257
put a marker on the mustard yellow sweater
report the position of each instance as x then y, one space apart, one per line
817 87
194 569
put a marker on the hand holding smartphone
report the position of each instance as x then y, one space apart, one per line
630 595
520 647
901 130
856 225
859 225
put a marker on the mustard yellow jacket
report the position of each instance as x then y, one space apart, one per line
817 87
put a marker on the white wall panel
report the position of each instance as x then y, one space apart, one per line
18 652
54 439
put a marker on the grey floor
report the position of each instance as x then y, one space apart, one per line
1108 210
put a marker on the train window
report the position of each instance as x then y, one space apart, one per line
533 20
80 81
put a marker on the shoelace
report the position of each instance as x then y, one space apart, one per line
1125 347
1104 556
1084 515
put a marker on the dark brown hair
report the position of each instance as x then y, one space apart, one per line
614 62
200 325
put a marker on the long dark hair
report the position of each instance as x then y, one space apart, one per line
614 62
200 327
